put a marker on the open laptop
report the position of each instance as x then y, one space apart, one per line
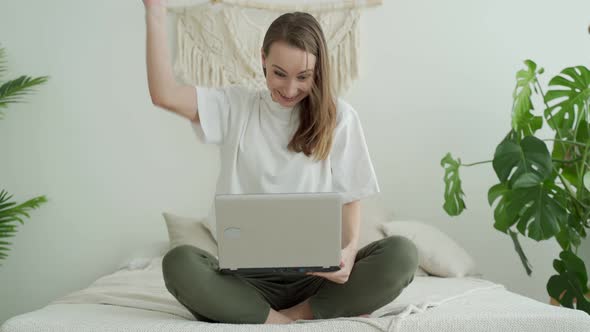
290 232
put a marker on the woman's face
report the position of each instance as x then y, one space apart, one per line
289 73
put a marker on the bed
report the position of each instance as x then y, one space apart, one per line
447 294
134 298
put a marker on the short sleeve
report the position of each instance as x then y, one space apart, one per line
213 105
353 174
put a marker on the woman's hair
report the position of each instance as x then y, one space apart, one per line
318 110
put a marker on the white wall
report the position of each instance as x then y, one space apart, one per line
437 77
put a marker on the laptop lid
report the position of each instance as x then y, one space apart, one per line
290 232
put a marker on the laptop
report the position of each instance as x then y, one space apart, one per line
279 232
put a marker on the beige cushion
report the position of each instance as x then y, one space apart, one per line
439 255
193 231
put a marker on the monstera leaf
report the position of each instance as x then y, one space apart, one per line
530 157
570 284
523 120
569 93
454 203
534 210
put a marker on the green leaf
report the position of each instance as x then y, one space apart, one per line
571 282
568 236
523 121
13 91
535 210
454 203
568 93
496 191
501 190
13 211
530 158
10 212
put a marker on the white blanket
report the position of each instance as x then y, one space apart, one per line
427 304
145 289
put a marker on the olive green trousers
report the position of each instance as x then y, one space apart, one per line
381 271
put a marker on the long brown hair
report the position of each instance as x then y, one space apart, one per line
318 110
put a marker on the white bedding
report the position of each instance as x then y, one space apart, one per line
139 301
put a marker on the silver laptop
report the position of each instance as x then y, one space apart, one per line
291 232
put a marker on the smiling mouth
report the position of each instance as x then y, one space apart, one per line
287 98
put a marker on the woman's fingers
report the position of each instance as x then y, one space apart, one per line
154 2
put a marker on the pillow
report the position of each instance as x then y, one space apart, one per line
420 272
372 215
193 231
438 254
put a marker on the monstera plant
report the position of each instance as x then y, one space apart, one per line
542 195
13 91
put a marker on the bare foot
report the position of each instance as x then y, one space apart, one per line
299 311
275 317
365 315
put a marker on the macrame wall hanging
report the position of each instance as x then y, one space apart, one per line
219 41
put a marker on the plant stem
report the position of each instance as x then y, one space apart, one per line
477 163
583 168
565 141
572 194
567 161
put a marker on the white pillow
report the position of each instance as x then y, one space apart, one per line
420 272
438 254
193 231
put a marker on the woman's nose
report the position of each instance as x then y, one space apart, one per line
291 89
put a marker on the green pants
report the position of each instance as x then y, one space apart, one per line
381 271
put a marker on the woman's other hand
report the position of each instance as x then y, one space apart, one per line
346 264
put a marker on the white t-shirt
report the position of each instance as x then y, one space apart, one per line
253 131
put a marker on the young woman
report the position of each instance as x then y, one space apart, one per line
294 136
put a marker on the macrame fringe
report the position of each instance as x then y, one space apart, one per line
304 5
191 65
194 65
344 61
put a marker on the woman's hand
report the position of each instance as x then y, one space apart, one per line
154 2
346 264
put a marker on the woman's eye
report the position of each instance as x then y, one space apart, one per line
302 78
278 73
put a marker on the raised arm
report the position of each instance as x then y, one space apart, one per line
164 90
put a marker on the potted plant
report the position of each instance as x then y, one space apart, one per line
11 92
542 195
